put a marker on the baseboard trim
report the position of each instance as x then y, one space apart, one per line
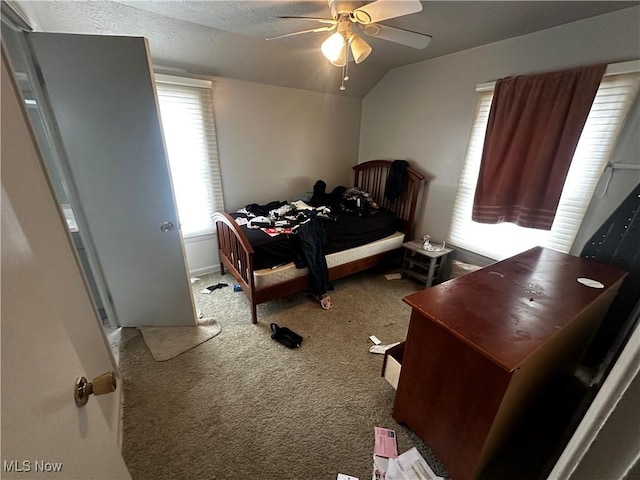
204 270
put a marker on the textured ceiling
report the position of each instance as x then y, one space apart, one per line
228 38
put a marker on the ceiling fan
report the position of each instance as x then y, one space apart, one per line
349 18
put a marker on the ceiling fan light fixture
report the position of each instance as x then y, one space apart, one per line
346 15
359 49
333 48
342 59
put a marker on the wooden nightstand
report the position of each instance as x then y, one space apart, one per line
422 264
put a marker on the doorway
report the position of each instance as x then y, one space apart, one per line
18 50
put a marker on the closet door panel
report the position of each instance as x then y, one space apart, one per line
101 93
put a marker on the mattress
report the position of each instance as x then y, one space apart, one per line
346 232
272 276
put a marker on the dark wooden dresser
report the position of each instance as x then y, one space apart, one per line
480 347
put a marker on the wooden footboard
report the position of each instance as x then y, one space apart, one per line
236 255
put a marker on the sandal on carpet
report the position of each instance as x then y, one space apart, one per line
325 301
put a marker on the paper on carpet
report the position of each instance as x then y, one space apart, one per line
166 343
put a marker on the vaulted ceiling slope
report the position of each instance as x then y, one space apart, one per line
228 38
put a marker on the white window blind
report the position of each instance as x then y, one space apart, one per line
189 131
611 105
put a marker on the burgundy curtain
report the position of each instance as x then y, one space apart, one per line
534 126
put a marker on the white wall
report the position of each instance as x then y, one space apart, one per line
275 143
423 112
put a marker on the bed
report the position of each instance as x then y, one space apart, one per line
275 278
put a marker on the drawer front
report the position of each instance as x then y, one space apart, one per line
392 364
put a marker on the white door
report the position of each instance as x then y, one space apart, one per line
101 95
44 433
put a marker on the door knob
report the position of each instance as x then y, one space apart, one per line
166 226
105 383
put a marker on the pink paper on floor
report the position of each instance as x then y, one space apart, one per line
385 443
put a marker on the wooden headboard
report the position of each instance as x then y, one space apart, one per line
372 176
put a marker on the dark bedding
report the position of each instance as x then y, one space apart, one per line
347 231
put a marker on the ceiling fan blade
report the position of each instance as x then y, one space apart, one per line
385 9
398 35
319 20
313 30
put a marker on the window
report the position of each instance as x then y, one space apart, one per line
189 131
615 96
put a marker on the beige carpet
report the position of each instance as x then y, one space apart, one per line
166 343
243 407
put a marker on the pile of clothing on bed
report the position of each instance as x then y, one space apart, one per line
305 223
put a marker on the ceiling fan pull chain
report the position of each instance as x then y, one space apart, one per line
345 73
345 67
